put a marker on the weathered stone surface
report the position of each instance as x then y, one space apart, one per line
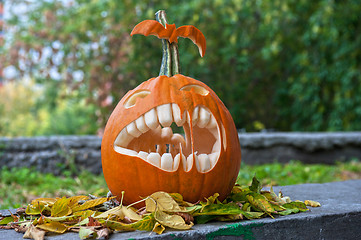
259 148
56 153
338 218
52 154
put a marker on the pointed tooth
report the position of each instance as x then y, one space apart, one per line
154 159
133 130
178 158
166 162
204 117
204 163
189 163
151 119
213 157
165 115
177 115
167 133
123 138
212 122
140 123
125 151
143 155
195 116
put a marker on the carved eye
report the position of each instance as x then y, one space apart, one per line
132 99
196 88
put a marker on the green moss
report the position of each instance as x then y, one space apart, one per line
237 229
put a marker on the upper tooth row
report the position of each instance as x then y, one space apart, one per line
204 162
164 115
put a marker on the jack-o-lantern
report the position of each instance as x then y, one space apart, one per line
140 152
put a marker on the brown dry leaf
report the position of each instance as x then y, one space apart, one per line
172 221
312 203
34 233
186 216
104 233
162 201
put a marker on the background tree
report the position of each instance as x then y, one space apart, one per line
285 65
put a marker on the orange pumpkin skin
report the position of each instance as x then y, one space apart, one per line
138 178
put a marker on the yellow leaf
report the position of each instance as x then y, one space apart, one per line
117 226
146 224
61 219
162 201
117 211
56 227
73 201
90 204
158 228
33 209
84 214
61 208
45 201
312 203
131 214
179 199
259 201
172 221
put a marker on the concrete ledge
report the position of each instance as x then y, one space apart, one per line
338 218
318 147
56 153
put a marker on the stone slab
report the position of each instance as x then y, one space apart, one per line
338 218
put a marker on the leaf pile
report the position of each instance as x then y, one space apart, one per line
95 217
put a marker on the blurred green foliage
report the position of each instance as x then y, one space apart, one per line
25 111
289 65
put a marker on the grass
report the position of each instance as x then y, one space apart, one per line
19 186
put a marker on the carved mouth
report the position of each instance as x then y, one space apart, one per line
151 138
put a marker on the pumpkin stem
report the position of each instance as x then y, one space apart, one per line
170 59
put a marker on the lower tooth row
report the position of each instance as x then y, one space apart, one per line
204 162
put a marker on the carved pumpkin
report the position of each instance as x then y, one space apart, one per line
142 155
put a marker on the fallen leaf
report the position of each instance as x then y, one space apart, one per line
6 220
179 199
85 233
104 233
312 203
45 201
219 209
158 228
172 221
117 211
130 213
56 227
34 233
186 216
117 226
260 202
90 203
255 186
145 224
61 208
162 201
